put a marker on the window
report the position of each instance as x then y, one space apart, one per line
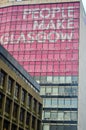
1 100
54 90
62 79
6 125
7 106
61 90
68 90
28 119
29 101
60 115
57 127
9 87
67 103
54 115
21 115
14 127
34 105
74 79
47 115
38 125
23 95
48 90
74 90
33 122
42 90
56 79
54 102
15 110
74 116
16 93
61 102
46 127
39 109
47 102
74 103
49 78
2 78
66 115
68 79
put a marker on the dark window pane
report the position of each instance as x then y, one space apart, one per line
29 100
56 127
23 95
34 105
16 94
39 109
7 106
1 100
15 111
28 119
2 78
6 125
33 122
9 87
22 115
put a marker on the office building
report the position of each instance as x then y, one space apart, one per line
47 37
20 102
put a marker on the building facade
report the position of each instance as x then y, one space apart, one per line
47 38
20 102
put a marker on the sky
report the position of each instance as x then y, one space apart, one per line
84 3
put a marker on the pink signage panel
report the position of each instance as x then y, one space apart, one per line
44 38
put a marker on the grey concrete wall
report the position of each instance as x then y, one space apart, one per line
82 72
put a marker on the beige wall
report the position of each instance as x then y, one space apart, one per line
15 2
21 82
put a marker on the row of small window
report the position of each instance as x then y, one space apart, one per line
48 58
16 110
62 58
57 79
15 90
43 49
60 102
60 115
59 127
59 90
6 125
3 76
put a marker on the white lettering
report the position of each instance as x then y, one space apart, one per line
70 24
70 11
54 12
12 38
43 14
66 36
70 36
63 13
21 38
26 12
41 37
4 38
35 13
39 26
51 25
30 38
53 37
